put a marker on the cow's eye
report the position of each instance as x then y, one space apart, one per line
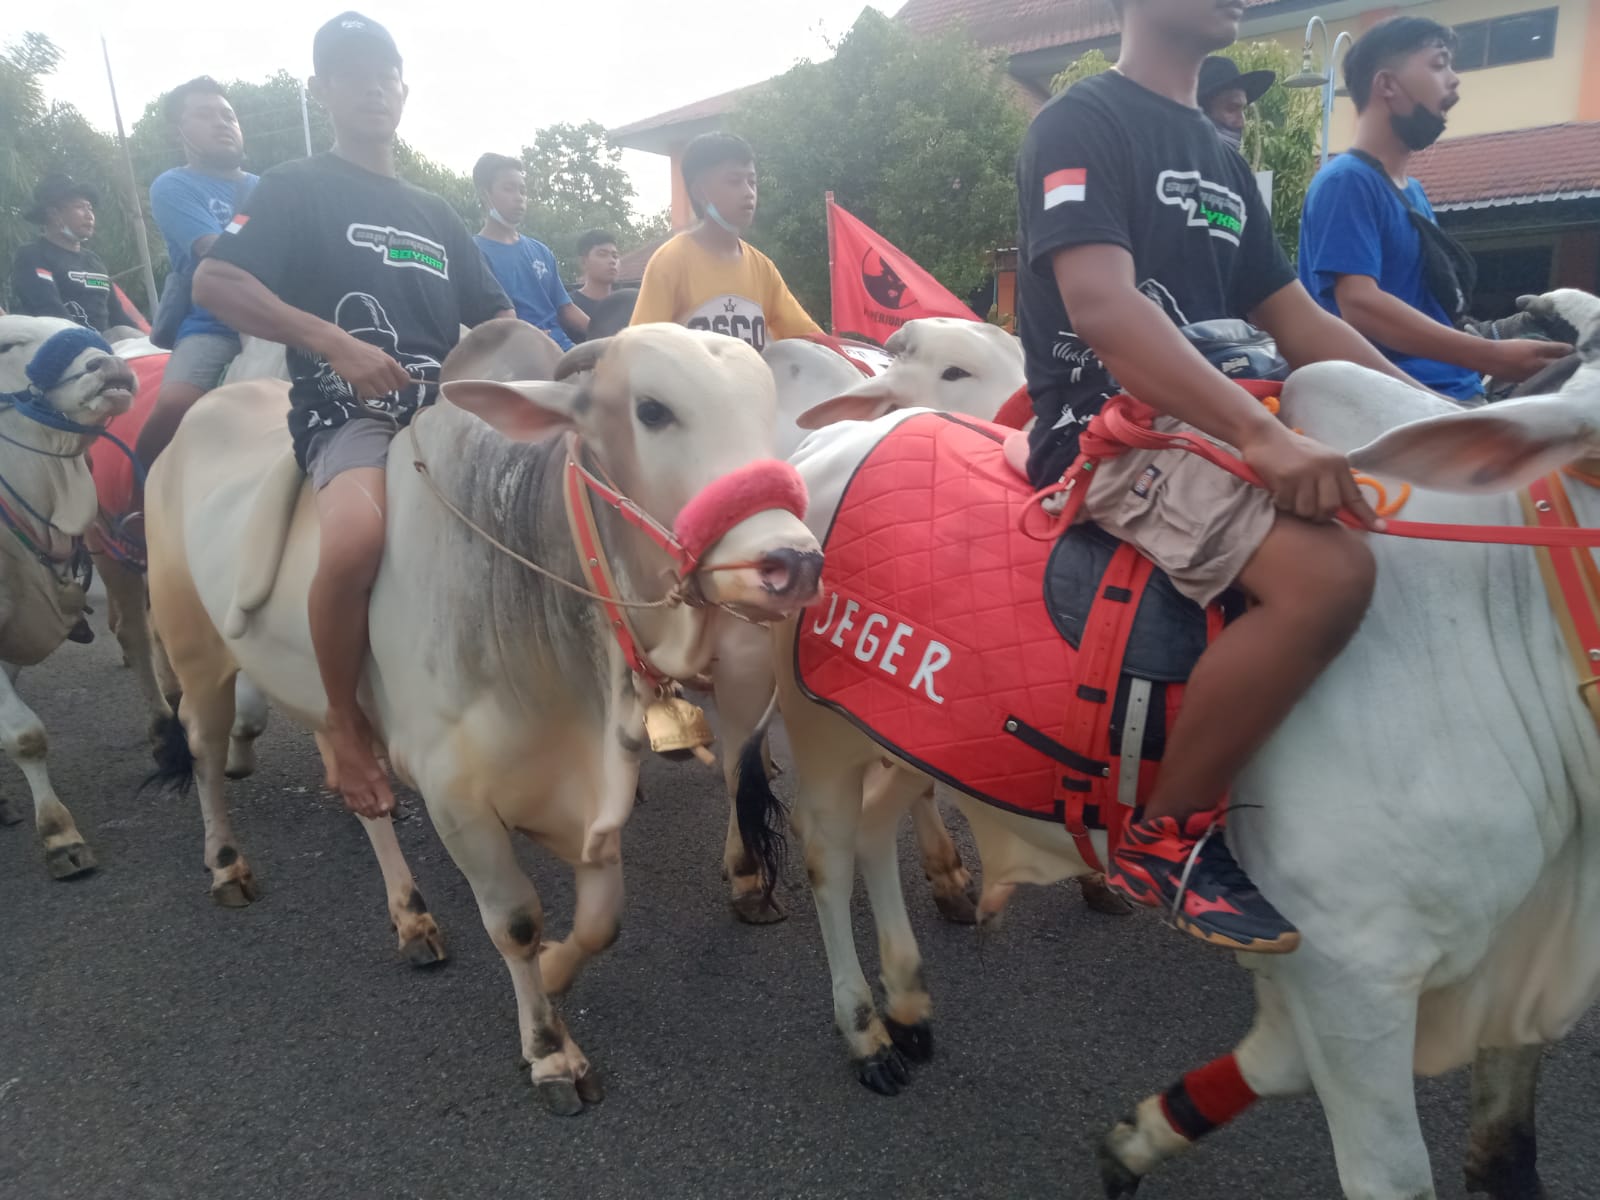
955 374
653 414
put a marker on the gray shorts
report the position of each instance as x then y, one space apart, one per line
360 442
201 358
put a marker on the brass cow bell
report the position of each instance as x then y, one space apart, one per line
674 725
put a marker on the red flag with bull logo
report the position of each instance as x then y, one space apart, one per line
877 287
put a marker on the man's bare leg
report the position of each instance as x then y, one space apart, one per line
1311 585
351 514
174 400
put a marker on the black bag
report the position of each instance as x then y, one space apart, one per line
177 296
1448 268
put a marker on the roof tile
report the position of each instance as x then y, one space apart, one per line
1546 161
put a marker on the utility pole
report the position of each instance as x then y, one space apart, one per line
151 299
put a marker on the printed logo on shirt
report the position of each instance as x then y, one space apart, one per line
735 316
90 279
1063 186
237 223
364 318
219 209
1207 205
401 249
45 274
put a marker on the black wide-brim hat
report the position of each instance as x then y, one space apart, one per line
1218 74
57 189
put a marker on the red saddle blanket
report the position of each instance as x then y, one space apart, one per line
933 636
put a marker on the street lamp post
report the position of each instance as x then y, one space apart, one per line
1306 77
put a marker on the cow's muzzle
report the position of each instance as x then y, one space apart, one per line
794 576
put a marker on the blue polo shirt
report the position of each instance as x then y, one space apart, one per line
189 205
528 272
1355 224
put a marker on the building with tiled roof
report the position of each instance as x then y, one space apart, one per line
1517 175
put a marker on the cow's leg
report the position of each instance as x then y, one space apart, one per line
1502 1158
22 734
421 943
595 925
207 714
907 1009
1267 1062
481 848
742 682
954 891
131 624
249 723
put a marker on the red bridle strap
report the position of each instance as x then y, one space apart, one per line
1572 584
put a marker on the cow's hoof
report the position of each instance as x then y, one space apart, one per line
239 892
590 1088
425 950
959 908
752 908
10 814
560 1096
1099 897
1513 1174
915 1042
1115 1177
69 860
885 1072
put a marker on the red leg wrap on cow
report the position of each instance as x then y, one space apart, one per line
1207 1097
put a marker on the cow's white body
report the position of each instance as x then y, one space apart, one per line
504 699
1429 816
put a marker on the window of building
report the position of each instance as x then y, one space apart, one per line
1520 37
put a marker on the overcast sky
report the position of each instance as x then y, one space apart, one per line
483 75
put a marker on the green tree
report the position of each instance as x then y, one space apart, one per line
576 183
1282 130
915 135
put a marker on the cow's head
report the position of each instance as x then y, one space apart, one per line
945 363
1510 444
668 414
88 385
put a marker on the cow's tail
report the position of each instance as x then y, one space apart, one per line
266 532
759 811
174 771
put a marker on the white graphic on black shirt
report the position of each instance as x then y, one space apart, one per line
401 249
75 312
362 317
1208 206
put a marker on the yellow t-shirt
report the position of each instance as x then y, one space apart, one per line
745 297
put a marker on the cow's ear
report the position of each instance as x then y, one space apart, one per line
1492 449
867 401
523 412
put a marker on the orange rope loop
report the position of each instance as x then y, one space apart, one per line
1384 507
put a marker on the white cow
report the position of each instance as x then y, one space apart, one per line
503 697
49 502
1429 815
959 366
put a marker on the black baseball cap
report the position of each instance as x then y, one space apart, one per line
54 189
1218 74
347 34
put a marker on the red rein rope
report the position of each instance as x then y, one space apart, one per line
1124 424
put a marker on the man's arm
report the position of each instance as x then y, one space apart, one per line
1152 360
1307 333
574 320
788 317
243 302
1390 320
33 287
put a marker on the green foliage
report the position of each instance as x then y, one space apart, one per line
1282 130
576 183
917 136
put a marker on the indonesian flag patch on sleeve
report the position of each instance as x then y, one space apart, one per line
1062 186
239 223
45 274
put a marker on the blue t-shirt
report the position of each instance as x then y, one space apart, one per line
528 272
189 205
1355 224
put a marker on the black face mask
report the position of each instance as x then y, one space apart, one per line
1419 128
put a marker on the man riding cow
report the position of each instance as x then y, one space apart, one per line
1135 220
367 280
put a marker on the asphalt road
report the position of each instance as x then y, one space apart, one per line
155 1046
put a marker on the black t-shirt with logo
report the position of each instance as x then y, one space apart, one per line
47 281
387 262
1111 163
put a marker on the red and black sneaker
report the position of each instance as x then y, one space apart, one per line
1217 903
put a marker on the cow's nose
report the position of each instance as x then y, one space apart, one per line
792 574
113 372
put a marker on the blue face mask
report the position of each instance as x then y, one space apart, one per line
713 214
